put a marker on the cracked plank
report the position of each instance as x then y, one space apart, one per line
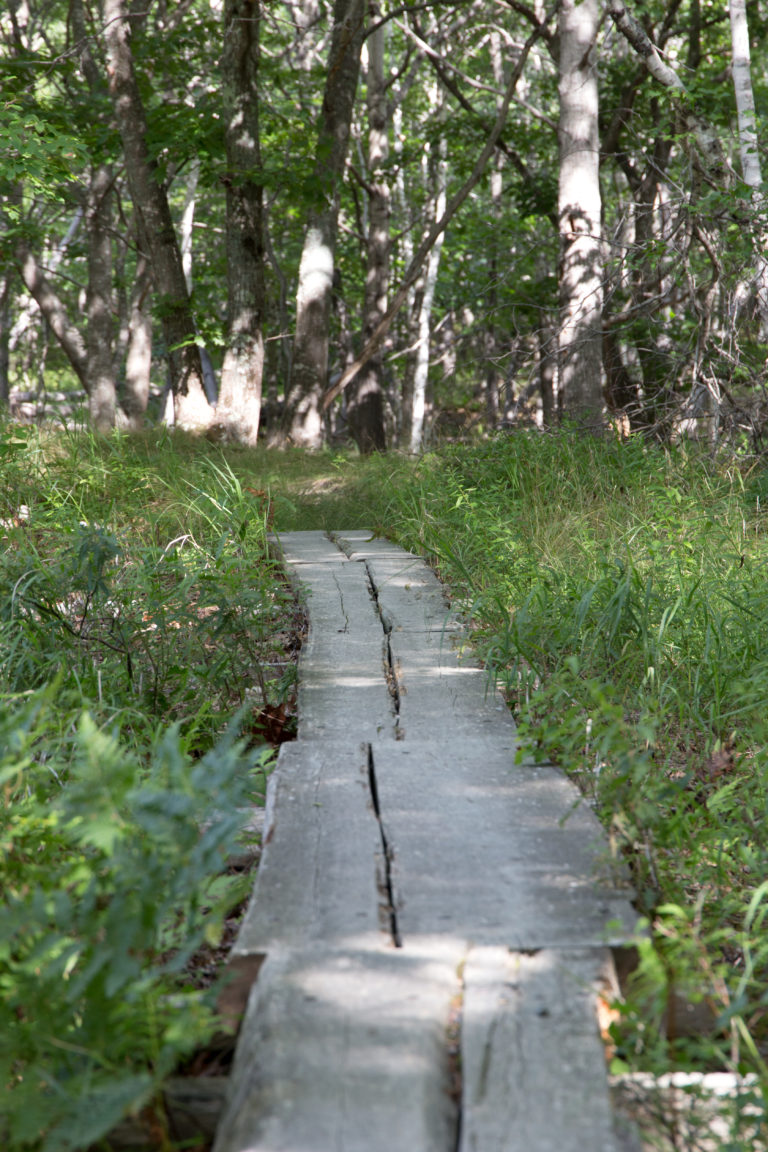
344 655
317 878
440 691
494 853
410 595
353 670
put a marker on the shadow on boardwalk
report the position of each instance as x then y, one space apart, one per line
433 919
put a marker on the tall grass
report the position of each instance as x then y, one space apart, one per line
144 636
619 595
617 592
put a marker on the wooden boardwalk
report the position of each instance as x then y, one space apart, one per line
431 920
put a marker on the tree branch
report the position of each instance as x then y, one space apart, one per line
54 312
414 268
708 147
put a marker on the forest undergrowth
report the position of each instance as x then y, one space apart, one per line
146 662
618 593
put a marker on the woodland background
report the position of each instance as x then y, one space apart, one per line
373 220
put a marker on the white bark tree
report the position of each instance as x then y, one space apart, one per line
424 323
155 227
751 170
309 369
366 401
579 211
99 336
138 347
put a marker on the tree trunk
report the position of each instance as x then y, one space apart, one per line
187 222
155 225
581 279
547 352
239 405
54 313
309 369
748 146
407 333
493 339
99 339
421 369
366 402
102 394
138 356
5 341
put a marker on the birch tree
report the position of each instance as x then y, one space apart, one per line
366 401
102 393
155 226
136 338
579 210
748 147
435 172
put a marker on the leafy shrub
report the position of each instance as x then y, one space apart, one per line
143 632
111 880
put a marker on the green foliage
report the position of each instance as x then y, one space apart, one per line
36 152
143 630
113 875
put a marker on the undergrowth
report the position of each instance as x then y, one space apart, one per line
619 596
145 655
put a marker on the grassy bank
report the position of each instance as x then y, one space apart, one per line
619 595
145 655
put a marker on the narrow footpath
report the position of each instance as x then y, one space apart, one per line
431 920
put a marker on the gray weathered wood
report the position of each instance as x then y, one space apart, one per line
318 877
342 686
492 852
400 816
534 1070
345 1052
439 692
409 594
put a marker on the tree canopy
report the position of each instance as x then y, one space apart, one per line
377 221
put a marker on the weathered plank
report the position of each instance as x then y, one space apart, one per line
343 688
319 877
345 1052
409 595
355 673
437 691
533 1064
493 852
435 686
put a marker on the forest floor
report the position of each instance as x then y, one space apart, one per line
617 594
